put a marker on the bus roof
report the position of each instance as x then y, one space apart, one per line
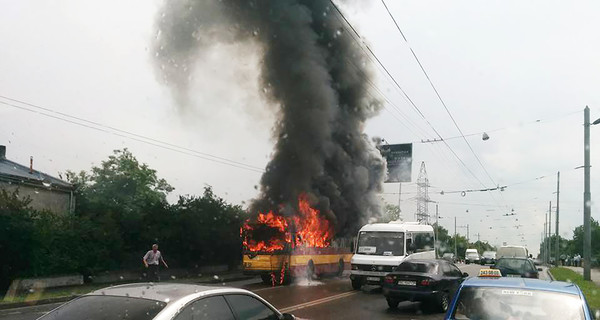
397 227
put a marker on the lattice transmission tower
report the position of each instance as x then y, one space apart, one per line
422 214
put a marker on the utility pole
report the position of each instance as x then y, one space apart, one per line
557 245
587 198
455 251
435 237
545 243
549 243
468 234
399 201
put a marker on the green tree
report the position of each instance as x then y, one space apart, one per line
117 196
17 239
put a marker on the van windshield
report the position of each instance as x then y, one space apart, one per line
381 243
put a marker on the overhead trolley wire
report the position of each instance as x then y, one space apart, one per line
372 56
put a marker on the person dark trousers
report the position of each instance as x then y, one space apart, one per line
151 261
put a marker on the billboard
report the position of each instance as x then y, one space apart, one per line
399 161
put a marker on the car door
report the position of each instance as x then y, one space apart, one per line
246 307
213 307
449 277
457 278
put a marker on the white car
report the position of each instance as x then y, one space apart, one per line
146 301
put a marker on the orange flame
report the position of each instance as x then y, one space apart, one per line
270 220
312 230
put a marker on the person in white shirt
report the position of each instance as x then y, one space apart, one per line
152 260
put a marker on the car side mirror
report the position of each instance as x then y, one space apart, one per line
465 274
288 316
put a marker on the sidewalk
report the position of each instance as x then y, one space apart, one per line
64 294
595 273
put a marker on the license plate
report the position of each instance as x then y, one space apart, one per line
407 283
373 279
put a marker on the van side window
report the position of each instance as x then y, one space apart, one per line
423 241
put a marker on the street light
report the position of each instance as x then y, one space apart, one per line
587 196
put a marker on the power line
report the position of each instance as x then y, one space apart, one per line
537 121
126 132
128 135
411 102
438 94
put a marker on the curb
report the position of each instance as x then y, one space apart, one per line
5 306
550 274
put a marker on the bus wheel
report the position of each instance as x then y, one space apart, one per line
266 278
356 284
340 271
310 270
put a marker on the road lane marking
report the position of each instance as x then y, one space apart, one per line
317 302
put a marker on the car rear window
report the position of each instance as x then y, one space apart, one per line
107 308
417 267
517 303
516 265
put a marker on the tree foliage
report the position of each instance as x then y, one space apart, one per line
121 210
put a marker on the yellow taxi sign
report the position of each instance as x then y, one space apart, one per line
490 273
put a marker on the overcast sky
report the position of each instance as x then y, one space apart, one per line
500 66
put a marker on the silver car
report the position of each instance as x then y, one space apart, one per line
146 301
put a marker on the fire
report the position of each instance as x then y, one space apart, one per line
312 230
270 222
271 232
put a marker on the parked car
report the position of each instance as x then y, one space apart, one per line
449 256
146 301
488 257
434 281
517 267
491 296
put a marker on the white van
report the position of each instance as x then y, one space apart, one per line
471 256
512 252
382 246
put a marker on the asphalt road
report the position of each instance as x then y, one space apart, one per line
328 298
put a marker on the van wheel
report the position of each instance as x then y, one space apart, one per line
356 284
340 271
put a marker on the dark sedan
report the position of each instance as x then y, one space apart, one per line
517 267
433 281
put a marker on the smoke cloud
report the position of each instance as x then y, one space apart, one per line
317 76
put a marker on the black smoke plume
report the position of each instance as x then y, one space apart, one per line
315 73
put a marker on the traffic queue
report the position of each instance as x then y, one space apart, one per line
509 289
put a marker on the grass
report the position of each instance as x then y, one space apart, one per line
589 288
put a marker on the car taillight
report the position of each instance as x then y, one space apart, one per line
389 279
427 282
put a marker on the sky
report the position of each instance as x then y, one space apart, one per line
520 71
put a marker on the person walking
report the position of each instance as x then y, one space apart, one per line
151 260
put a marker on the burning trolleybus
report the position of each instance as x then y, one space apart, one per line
383 246
279 247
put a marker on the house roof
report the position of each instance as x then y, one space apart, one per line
13 172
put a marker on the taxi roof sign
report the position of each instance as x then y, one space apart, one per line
490 273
